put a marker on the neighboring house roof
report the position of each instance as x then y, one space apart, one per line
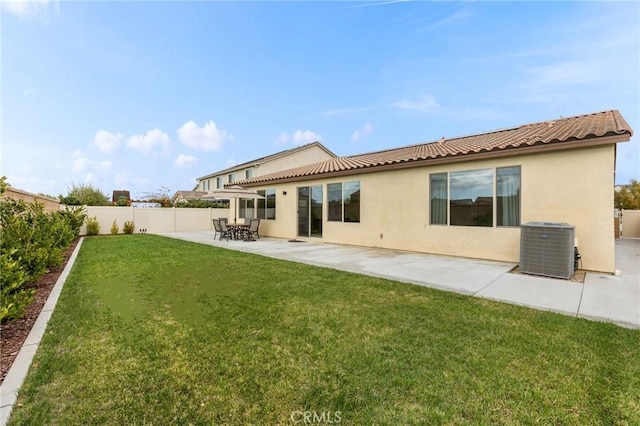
118 194
268 158
188 195
563 133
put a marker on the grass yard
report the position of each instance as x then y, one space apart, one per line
151 330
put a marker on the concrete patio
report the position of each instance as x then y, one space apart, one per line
610 298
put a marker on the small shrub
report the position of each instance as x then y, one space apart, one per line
128 227
114 228
15 298
75 217
93 227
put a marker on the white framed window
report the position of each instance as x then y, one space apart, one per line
467 198
267 206
344 201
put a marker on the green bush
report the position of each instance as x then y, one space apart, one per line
15 298
32 243
93 227
128 227
114 228
75 217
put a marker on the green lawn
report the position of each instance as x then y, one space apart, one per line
151 330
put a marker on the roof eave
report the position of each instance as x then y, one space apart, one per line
458 158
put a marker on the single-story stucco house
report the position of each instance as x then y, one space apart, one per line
464 196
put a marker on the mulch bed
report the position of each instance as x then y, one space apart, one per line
14 333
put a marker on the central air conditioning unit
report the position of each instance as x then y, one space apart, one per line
547 248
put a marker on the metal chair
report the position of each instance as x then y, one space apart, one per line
224 231
216 227
253 229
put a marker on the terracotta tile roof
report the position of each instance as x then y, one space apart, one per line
189 195
546 133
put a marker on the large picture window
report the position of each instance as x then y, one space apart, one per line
471 199
508 196
344 201
438 199
267 206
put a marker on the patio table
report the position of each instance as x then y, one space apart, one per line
237 228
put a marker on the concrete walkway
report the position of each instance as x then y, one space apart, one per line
602 297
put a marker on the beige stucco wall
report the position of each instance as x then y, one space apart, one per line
630 223
50 204
310 155
155 220
572 186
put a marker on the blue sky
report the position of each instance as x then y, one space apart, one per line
144 95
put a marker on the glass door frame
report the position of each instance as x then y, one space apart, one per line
309 215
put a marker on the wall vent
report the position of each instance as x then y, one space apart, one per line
547 248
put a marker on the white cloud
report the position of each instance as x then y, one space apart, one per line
449 20
283 139
566 73
126 180
426 103
29 8
107 142
230 162
357 110
83 164
207 138
366 130
148 142
185 161
299 137
307 136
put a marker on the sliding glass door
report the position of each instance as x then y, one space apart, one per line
310 211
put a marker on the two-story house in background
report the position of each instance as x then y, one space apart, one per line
283 160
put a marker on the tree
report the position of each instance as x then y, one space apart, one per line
84 195
628 196
162 196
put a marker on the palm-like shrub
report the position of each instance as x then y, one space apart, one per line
128 227
93 227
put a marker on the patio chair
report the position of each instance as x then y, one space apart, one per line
253 229
224 231
223 219
216 227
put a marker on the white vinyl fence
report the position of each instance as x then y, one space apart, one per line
155 220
